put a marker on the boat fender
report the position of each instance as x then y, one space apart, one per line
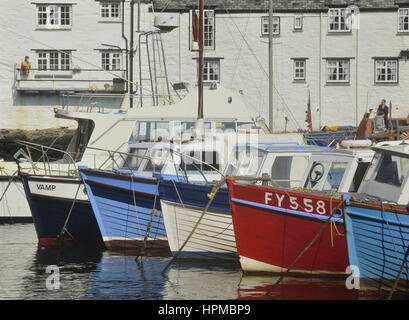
356 143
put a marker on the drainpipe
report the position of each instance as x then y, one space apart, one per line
126 45
131 53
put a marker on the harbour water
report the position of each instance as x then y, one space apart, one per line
30 272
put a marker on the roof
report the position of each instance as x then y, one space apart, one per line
279 5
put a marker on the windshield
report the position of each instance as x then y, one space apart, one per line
245 162
392 170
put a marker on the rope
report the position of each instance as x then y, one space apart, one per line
8 184
136 211
399 274
216 188
64 228
303 251
211 196
148 228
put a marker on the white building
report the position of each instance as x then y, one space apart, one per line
345 67
68 43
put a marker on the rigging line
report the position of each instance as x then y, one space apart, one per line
261 66
82 60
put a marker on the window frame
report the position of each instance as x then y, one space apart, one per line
304 61
208 36
53 60
111 58
43 22
298 28
205 67
110 17
339 30
396 60
265 25
337 80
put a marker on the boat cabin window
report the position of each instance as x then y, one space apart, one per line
209 161
184 129
157 160
134 161
287 171
247 127
392 170
245 162
150 131
358 176
334 177
226 126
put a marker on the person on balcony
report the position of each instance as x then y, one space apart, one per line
25 66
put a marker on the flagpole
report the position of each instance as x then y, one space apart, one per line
270 67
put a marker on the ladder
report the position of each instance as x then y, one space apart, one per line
151 50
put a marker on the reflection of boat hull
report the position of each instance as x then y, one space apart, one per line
51 200
123 206
378 237
290 288
182 205
273 226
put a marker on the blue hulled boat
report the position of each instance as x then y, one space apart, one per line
127 209
377 220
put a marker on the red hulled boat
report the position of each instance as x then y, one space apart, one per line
272 227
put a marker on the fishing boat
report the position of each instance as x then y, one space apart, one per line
377 221
48 183
126 203
183 202
273 225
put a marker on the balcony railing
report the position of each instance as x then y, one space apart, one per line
74 81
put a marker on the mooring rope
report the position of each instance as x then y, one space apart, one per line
64 228
211 196
149 225
304 250
8 184
395 284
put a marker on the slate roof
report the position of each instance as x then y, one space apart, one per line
279 5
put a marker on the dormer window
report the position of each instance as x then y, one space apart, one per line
337 21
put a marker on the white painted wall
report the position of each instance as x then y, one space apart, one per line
244 63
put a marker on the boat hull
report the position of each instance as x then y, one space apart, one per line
52 206
377 242
182 206
273 226
123 207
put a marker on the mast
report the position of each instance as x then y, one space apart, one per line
200 82
270 67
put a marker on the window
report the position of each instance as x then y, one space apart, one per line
403 20
299 69
53 16
110 11
335 175
265 24
337 70
211 70
386 71
111 60
208 30
53 60
298 22
392 170
337 21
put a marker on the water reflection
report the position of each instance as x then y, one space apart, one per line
96 275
